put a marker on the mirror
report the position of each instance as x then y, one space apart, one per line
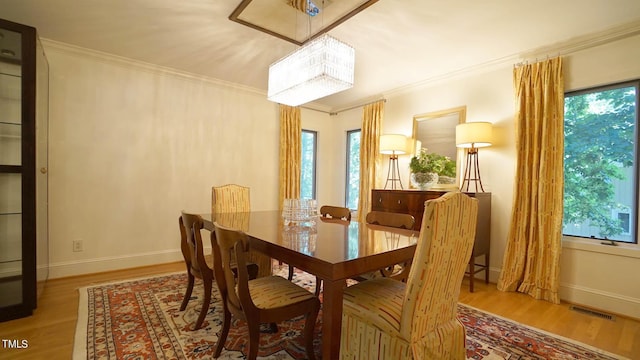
437 132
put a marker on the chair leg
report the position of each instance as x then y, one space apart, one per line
226 324
205 304
486 268
187 293
309 327
290 273
318 286
273 328
254 340
472 272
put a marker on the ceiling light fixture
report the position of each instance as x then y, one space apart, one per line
321 67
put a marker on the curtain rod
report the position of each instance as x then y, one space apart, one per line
356 106
341 110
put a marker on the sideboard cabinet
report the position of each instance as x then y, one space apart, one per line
412 202
24 252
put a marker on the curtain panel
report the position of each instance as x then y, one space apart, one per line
369 155
290 153
532 256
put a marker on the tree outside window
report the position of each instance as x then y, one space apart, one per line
600 129
308 165
352 188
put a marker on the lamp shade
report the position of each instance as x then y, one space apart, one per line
474 134
393 144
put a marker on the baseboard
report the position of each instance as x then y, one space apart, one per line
88 266
593 298
601 300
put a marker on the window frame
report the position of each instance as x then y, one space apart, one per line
634 227
315 162
348 166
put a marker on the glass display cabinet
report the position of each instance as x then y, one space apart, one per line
24 253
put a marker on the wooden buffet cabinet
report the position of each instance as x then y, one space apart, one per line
412 202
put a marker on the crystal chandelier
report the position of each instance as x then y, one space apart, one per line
321 67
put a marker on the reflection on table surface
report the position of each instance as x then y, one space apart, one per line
329 240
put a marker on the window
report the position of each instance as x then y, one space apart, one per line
353 169
600 162
308 165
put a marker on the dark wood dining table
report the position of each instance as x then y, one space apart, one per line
333 250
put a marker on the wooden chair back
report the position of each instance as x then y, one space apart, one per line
193 252
397 220
232 248
279 299
335 212
191 242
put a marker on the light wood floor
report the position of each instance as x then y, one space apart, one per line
50 330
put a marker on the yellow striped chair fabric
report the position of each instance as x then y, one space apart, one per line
231 199
388 319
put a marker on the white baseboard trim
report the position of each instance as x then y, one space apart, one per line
592 298
596 299
88 266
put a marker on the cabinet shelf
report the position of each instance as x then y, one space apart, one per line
24 256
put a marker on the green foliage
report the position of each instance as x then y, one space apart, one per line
426 162
599 132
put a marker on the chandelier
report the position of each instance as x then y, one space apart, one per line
321 67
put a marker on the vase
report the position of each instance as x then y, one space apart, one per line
424 181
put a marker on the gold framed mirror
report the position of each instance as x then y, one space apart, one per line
436 131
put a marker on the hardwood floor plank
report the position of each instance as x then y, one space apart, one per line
50 331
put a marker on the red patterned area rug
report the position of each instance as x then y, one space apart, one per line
140 319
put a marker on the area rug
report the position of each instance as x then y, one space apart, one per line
140 319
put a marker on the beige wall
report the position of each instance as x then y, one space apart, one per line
591 274
120 134
131 145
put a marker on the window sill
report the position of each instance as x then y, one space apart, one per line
627 250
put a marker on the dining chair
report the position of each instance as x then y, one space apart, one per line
395 220
233 198
330 212
388 319
335 212
269 299
197 266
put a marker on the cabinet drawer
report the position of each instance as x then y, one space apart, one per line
383 201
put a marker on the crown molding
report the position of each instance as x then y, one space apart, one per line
558 49
152 68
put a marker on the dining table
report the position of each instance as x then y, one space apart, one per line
331 249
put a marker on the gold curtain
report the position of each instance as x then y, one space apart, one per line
369 154
531 260
290 153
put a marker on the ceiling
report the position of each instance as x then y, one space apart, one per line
399 43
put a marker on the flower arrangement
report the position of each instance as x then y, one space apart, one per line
426 162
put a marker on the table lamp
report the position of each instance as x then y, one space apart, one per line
471 136
394 145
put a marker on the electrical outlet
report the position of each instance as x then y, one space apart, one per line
77 245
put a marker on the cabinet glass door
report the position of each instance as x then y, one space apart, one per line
11 266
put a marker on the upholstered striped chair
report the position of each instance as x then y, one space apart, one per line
232 198
388 319
268 299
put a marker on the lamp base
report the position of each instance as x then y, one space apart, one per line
393 174
472 172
